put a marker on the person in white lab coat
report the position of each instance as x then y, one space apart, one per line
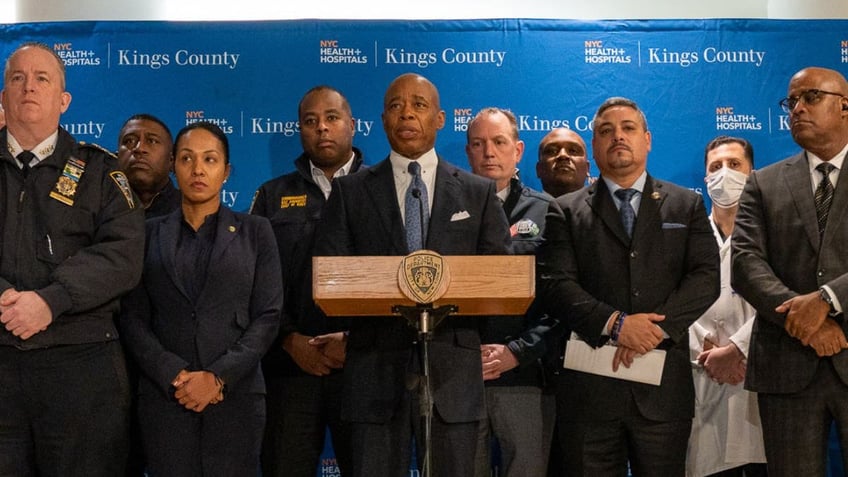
726 437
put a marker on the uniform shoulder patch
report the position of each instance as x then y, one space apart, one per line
124 186
98 147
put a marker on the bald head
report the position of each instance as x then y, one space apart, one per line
818 118
412 115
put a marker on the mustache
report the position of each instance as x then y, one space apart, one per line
619 144
564 166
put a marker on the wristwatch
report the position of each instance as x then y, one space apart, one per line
825 296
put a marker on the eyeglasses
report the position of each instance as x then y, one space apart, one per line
809 97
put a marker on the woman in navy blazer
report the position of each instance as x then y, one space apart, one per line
204 314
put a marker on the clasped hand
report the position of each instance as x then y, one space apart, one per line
805 314
724 364
807 319
639 334
24 313
317 355
497 359
197 389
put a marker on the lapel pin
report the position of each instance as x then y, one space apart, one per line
655 195
231 228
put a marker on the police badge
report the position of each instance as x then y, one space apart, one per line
66 186
423 276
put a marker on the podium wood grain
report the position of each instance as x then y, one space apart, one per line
480 285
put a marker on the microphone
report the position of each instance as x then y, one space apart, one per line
416 192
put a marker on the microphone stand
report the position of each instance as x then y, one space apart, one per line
424 318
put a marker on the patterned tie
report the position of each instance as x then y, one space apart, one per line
416 209
628 215
824 194
25 157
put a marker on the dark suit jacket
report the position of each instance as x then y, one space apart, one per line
236 316
588 268
362 217
777 255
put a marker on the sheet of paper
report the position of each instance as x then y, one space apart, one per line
647 368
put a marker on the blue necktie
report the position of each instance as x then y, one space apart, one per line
416 209
628 215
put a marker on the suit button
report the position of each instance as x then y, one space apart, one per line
635 292
634 254
820 273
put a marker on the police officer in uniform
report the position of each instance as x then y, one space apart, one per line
72 244
303 369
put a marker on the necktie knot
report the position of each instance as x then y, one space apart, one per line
825 168
625 195
628 215
25 157
414 168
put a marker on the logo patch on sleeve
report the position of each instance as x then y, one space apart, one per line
124 186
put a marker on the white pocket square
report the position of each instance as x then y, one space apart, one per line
460 216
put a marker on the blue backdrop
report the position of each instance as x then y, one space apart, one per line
695 79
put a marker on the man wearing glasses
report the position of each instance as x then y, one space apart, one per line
791 263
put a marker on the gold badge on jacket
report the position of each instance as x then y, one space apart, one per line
66 187
423 276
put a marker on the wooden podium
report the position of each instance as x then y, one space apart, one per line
424 287
479 285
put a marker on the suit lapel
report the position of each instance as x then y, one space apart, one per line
226 230
446 197
797 177
380 185
169 233
840 202
228 226
653 196
601 202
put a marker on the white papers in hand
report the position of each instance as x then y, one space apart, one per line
647 368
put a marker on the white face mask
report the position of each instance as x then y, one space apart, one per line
725 187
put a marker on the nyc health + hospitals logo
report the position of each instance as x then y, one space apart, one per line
335 52
598 52
76 56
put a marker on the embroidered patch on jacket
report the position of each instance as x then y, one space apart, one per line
124 185
524 227
287 201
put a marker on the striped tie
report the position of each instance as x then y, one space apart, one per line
824 194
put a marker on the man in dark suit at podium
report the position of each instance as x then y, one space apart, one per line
629 260
395 208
